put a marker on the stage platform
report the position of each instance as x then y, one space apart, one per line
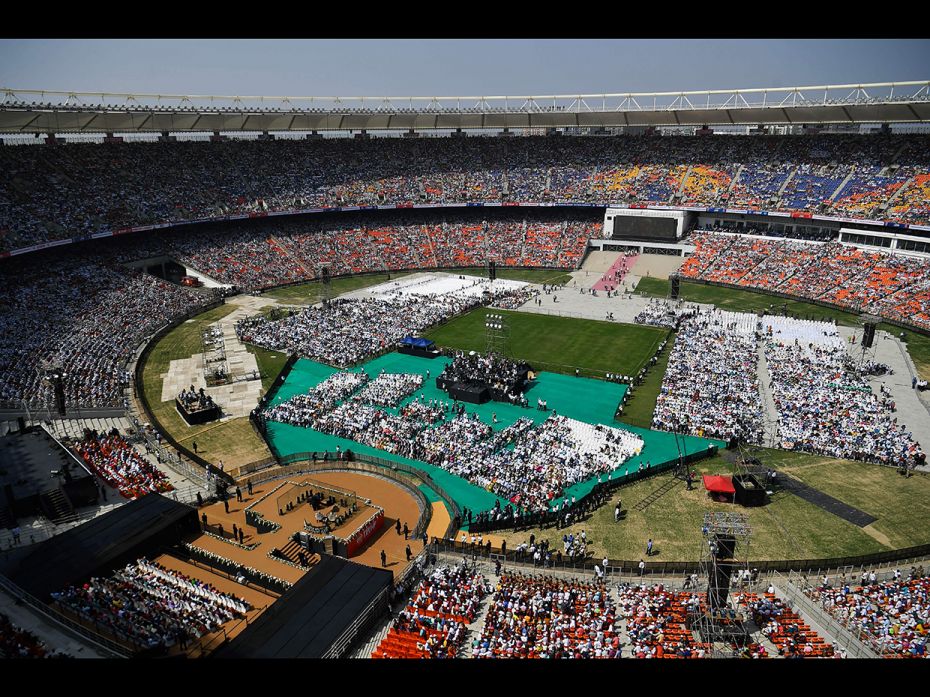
27 463
315 613
200 416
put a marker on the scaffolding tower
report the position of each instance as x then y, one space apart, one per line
497 334
213 351
724 559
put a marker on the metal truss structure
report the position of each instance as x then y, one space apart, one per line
49 111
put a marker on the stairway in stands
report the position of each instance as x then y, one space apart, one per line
55 505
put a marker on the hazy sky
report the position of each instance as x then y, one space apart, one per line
451 67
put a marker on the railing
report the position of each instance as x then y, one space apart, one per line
303 463
675 568
360 625
854 643
76 629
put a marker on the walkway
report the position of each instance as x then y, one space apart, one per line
770 418
910 410
616 273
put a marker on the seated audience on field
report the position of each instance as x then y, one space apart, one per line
710 386
150 606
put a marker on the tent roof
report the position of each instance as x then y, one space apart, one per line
719 484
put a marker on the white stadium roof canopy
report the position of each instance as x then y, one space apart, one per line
44 111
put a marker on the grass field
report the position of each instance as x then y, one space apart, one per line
786 528
735 300
743 300
559 344
309 293
641 405
234 441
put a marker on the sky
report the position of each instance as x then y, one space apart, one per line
429 67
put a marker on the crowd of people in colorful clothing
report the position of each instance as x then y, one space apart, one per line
120 465
150 606
80 189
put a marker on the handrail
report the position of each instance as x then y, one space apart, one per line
105 645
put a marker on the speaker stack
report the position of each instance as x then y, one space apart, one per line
868 334
675 287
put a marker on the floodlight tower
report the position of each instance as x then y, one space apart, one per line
497 333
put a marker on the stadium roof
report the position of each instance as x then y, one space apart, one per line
44 111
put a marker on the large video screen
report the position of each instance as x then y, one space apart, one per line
637 227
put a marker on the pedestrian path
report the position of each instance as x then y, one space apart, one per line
613 277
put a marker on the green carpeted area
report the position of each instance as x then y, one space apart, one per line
584 399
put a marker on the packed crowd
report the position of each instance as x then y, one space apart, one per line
151 606
347 331
528 465
784 627
893 286
434 622
115 461
825 405
657 621
893 616
710 386
388 389
661 313
81 189
16 642
543 617
82 316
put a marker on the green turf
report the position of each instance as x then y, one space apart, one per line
270 363
559 344
233 441
585 399
786 528
641 405
918 346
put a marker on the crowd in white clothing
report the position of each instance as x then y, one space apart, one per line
152 606
543 460
710 386
82 317
389 389
347 331
826 406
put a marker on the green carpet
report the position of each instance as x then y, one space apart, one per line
584 399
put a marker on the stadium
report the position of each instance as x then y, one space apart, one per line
597 376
